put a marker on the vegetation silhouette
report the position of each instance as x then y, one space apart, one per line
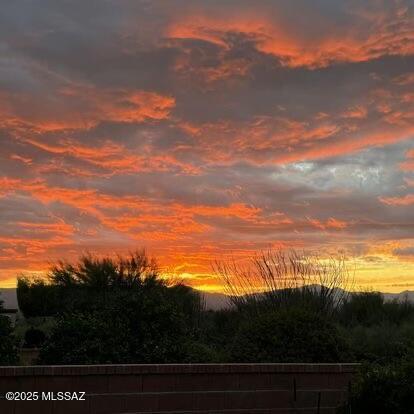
8 344
276 279
284 307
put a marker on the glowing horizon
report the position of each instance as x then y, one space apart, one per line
203 129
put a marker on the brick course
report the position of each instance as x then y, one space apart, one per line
181 388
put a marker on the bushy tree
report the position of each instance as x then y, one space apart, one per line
118 311
38 298
147 327
88 283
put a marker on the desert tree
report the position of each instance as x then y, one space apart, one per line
91 271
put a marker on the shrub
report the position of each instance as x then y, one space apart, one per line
381 343
34 338
384 389
278 279
8 345
289 335
198 352
148 326
37 298
370 308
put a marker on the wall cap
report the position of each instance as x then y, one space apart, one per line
128 369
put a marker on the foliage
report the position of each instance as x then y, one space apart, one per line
289 335
147 327
34 338
36 298
370 308
103 310
196 351
275 279
381 336
105 273
219 326
384 389
119 311
8 348
381 343
86 284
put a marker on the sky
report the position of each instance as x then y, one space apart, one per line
207 129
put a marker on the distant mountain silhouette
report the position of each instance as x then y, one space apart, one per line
213 301
406 294
216 301
9 298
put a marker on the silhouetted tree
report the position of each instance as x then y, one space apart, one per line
85 284
115 310
148 326
8 348
38 298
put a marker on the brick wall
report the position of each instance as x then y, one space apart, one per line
181 388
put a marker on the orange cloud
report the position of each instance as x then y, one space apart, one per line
225 69
133 106
273 36
404 80
27 161
282 140
82 107
398 201
336 224
138 213
356 112
409 164
112 158
331 223
60 227
409 182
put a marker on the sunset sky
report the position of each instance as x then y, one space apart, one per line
200 129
